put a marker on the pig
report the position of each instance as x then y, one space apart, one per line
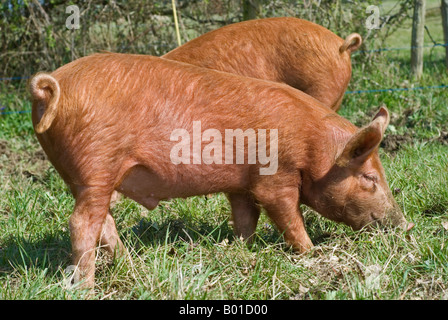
297 52
114 122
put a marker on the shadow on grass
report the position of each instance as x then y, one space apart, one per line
22 253
153 233
52 251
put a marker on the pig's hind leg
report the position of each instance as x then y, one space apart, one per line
109 238
86 223
245 214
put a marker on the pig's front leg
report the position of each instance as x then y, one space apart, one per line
86 223
282 206
245 214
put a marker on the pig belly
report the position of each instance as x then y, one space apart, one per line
140 185
147 187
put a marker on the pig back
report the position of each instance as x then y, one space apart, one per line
297 52
119 111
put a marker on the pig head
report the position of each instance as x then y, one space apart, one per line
354 190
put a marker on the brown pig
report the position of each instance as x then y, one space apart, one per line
155 129
297 52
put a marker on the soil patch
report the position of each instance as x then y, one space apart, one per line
4 153
393 142
443 139
30 161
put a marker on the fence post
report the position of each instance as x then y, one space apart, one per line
418 31
445 28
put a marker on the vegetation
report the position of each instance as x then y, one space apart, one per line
185 249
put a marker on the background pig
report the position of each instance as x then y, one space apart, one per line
105 122
297 52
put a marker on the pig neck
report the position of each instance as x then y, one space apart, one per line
328 142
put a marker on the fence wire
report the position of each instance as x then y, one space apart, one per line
442 86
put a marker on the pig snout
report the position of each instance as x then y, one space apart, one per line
394 217
397 220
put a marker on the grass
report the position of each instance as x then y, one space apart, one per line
184 249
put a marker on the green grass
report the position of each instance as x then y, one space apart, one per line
184 249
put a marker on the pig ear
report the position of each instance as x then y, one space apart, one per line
382 117
365 141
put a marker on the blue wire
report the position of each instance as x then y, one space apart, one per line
396 89
347 92
405 48
14 112
14 78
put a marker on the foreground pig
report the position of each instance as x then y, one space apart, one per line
297 52
155 129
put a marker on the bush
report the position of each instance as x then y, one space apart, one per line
35 37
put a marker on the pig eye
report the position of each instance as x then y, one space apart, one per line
369 182
371 177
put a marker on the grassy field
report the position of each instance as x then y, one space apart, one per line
184 249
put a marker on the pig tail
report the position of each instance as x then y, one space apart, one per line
351 43
45 92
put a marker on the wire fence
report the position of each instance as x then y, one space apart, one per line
403 48
434 45
397 89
